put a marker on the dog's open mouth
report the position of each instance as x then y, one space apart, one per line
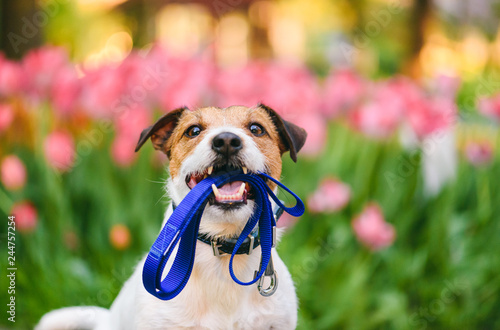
232 194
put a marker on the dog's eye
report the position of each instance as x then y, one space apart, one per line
193 131
257 130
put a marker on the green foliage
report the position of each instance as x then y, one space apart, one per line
441 272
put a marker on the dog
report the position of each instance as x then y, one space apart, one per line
201 143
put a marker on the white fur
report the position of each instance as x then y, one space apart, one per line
211 299
203 156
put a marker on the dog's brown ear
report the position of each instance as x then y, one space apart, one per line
292 136
161 131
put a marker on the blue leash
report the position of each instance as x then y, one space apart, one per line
183 226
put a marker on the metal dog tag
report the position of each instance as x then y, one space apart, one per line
271 273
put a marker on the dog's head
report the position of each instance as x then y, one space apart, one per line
210 140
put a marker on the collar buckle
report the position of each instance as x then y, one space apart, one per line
250 246
214 243
215 247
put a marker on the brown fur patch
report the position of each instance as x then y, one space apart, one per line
269 144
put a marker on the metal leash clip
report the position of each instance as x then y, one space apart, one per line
269 272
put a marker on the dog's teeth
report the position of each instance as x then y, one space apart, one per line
210 169
205 176
245 170
216 191
237 196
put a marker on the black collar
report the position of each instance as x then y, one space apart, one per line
221 246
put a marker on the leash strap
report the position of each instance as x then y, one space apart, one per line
182 228
222 246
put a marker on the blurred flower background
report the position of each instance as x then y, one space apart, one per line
401 100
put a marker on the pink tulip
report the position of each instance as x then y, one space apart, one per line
430 115
122 150
372 230
26 217
187 83
65 91
445 85
331 196
316 128
479 153
490 107
384 107
42 66
132 121
141 79
403 89
377 119
182 81
6 116
59 149
13 173
12 78
390 102
343 90
103 92
240 85
120 237
291 90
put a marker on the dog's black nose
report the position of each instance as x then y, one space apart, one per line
226 143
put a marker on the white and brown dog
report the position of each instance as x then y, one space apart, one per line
199 143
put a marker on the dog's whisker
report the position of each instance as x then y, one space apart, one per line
160 182
165 195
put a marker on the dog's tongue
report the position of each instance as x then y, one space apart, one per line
230 192
230 188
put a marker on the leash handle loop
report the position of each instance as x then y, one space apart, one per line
181 231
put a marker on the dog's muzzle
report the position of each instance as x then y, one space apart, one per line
227 144
227 147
